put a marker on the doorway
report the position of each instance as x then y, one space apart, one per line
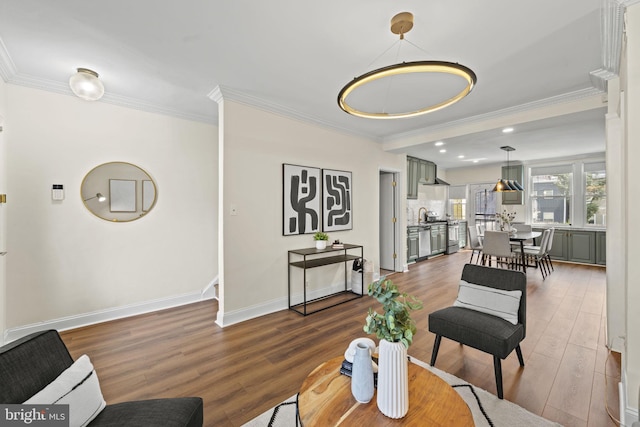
389 234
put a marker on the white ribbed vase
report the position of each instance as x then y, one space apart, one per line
393 379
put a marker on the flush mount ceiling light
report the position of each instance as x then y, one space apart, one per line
401 24
507 184
86 85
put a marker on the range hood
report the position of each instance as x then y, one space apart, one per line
434 180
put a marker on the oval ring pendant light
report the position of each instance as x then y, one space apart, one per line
401 24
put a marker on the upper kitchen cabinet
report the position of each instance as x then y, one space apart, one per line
419 172
426 172
412 178
513 172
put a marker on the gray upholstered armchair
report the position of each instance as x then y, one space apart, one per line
489 315
29 364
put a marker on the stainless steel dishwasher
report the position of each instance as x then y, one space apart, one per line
424 241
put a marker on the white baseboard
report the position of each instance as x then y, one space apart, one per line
211 290
247 313
628 415
99 316
268 307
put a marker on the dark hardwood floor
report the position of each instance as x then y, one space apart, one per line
242 370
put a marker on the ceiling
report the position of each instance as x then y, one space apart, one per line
293 57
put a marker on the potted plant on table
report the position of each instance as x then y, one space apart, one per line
321 239
505 219
395 329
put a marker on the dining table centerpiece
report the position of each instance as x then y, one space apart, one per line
395 329
505 219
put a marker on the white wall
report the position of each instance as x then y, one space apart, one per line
3 227
632 145
256 144
65 262
474 174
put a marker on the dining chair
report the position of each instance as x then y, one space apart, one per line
539 253
474 244
496 244
522 228
549 245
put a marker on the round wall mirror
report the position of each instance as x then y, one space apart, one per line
118 192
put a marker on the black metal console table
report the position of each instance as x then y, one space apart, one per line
310 258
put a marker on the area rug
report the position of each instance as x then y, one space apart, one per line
486 408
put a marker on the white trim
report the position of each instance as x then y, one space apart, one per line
210 291
109 98
7 67
99 316
232 317
271 306
573 102
272 107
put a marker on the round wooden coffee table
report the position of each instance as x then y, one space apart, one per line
325 400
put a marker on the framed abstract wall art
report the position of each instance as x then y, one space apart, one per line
337 204
301 190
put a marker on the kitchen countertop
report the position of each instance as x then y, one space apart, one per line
422 224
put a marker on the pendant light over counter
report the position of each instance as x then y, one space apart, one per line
504 185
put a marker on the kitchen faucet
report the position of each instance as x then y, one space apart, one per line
425 214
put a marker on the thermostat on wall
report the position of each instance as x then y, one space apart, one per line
57 192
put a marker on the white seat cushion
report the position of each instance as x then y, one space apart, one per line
497 302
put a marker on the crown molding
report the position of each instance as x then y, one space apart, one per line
10 74
110 98
275 108
571 97
611 29
216 95
7 67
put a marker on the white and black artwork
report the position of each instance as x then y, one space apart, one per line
301 194
337 211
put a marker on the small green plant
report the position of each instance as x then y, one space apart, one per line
396 323
320 236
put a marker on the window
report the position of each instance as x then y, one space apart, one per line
458 201
551 194
595 194
485 204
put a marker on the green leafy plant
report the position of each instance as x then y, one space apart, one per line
320 236
395 324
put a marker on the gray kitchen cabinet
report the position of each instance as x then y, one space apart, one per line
582 246
419 172
412 244
513 173
578 246
559 249
426 172
412 178
438 238
601 247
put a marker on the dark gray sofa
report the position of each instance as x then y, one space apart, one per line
30 363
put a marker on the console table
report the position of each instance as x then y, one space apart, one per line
325 399
307 258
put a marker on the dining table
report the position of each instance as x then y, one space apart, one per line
523 236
